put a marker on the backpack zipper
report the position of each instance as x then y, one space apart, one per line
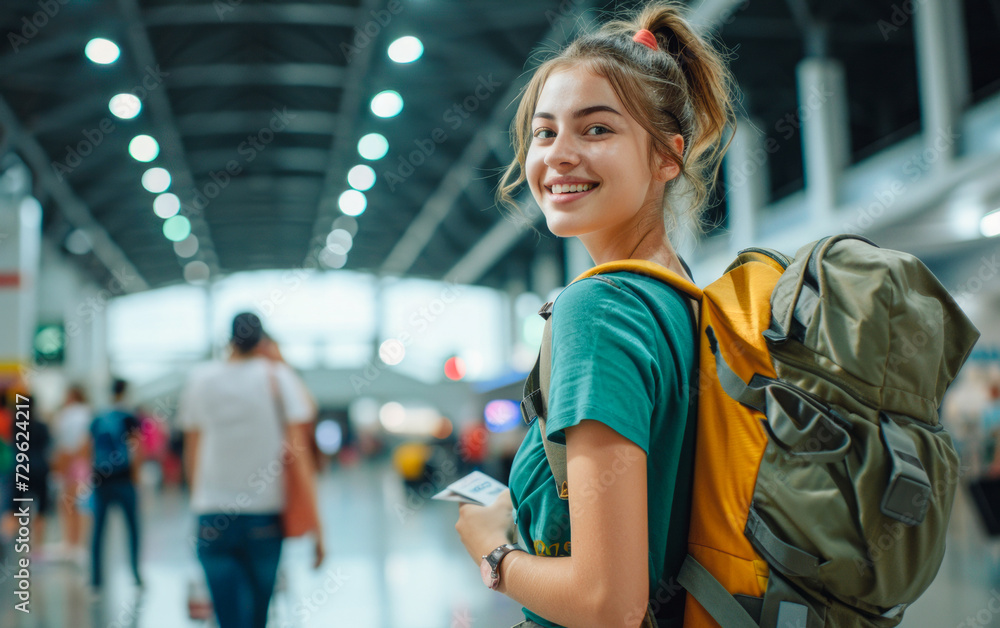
857 397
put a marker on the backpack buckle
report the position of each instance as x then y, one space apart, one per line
909 491
531 406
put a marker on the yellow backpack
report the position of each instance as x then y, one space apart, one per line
823 481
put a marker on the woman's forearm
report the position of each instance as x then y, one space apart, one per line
554 589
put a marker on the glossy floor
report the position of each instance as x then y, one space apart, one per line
393 563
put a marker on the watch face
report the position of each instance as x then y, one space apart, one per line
487 573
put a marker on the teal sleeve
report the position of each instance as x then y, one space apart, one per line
604 362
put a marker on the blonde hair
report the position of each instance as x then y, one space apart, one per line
684 88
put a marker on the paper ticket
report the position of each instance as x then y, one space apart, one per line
475 488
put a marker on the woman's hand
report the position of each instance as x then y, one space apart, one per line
485 528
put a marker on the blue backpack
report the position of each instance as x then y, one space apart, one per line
111 453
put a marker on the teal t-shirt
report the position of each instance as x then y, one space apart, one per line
623 353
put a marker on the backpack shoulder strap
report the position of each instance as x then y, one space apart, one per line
555 453
648 269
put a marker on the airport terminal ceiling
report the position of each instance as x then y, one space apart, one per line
258 109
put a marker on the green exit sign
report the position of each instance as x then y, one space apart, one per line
50 344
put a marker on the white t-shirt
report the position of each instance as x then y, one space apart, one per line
72 427
233 406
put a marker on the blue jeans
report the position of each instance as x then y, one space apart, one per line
119 491
239 554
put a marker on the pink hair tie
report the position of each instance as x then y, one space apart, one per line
646 38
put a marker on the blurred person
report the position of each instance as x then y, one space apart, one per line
37 469
173 467
8 524
155 437
990 419
116 460
962 413
603 132
71 464
234 414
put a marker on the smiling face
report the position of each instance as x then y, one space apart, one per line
588 164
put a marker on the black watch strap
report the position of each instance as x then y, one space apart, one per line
497 555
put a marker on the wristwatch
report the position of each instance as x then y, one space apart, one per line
489 567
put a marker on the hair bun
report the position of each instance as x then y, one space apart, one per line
247 331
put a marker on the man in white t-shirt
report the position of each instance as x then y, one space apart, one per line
234 415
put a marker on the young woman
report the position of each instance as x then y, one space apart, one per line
606 134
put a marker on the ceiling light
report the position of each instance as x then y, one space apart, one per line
406 49
187 247
387 104
990 225
125 106
346 223
78 242
176 228
156 180
166 205
361 177
196 272
102 51
373 146
392 352
352 203
392 415
143 148
329 259
339 242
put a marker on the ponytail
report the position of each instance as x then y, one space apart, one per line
683 87
708 90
